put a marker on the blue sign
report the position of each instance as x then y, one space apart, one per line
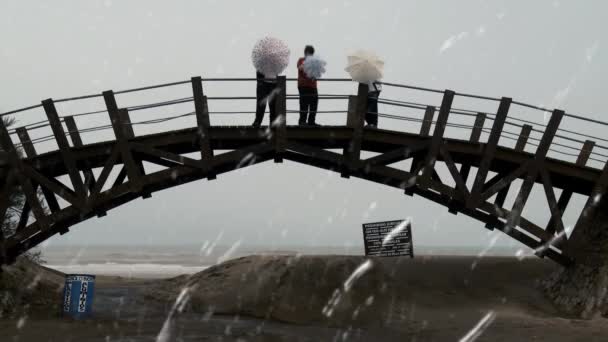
78 295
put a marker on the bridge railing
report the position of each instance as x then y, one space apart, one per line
231 101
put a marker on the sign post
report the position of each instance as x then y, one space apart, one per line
388 239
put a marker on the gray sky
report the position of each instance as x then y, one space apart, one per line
542 52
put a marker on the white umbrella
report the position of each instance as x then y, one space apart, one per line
270 56
314 67
365 66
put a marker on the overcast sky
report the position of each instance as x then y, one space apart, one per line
542 52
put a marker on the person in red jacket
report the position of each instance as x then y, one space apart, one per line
307 87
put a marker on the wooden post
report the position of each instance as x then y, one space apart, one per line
26 142
30 152
539 158
566 195
5 197
115 115
204 125
279 124
519 147
427 122
526 130
357 108
489 151
64 148
475 136
425 130
437 140
123 130
465 169
16 163
77 142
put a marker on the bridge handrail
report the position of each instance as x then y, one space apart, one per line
490 116
92 129
407 104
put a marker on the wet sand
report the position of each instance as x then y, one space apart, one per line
283 298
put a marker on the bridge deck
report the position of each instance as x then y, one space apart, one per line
569 176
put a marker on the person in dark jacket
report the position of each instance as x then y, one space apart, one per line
371 117
307 87
265 93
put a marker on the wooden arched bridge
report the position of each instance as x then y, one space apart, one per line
480 174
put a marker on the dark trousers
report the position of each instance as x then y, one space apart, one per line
309 101
264 94
371 117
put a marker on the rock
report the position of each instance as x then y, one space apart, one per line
581 290
26 286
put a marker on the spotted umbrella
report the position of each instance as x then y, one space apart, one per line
270 56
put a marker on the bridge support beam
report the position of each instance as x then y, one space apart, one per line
204 124
30 152
582 289
279 123
123 130
357 108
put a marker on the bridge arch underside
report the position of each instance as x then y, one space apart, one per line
246 146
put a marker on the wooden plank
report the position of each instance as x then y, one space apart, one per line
105 172
539 157
51 184
279 124
437 140
64 148
357 108
465 169
121 177
24 216
316 152
556 213
26 142
170 156
126 154
396 155
489 151
425 130
505 181
89 177
5 198
30 152
566 195
17 164
460 182
121 124
480 120
523 138
204 124
519 147
117 117
427 121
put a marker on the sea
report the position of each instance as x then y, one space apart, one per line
173 260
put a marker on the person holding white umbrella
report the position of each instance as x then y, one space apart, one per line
366 67
371 117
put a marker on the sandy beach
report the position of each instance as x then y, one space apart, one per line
316 298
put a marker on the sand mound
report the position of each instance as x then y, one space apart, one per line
29 287
317 289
